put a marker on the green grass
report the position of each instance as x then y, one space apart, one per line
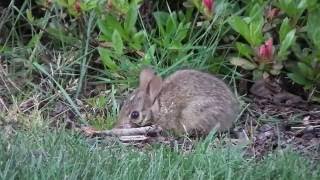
61 155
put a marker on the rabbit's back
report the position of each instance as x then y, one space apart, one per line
190 100
190 83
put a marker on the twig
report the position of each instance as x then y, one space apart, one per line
137 138
307 127
123 132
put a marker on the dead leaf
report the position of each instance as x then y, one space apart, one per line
245 64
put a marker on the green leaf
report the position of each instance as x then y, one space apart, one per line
297 78
109 24
244 49
256 13
245 64
161 19
286 43
240 26
30 17
34 41
305 70
149 56
284 29
105 29
171 26
106 60
311 4
71 2
62 3
117 42
256 22
182 32
313 28
294 8
255 30
4 48
86 6
302 4
131 18
137 40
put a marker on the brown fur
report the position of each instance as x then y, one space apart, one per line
186 102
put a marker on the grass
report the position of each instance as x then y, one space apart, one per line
43 154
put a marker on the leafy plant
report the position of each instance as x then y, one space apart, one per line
172 30
119 37
122 7
205 7
119 32
263 59
250 27
76 7
294 8
307 70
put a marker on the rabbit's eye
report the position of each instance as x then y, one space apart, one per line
134 115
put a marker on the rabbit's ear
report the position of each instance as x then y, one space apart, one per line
155 86
145 77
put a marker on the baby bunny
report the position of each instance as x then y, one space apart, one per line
187 102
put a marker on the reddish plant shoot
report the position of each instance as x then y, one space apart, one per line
208 4
265 51
77 6
272 13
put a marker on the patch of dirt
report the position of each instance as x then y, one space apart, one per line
289 121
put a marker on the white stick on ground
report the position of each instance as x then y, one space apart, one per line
136 138
124 132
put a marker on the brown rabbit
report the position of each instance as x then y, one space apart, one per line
187 102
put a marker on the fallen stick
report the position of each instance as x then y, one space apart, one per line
136 138
306 127
123 132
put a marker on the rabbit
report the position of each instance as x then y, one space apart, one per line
188 102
